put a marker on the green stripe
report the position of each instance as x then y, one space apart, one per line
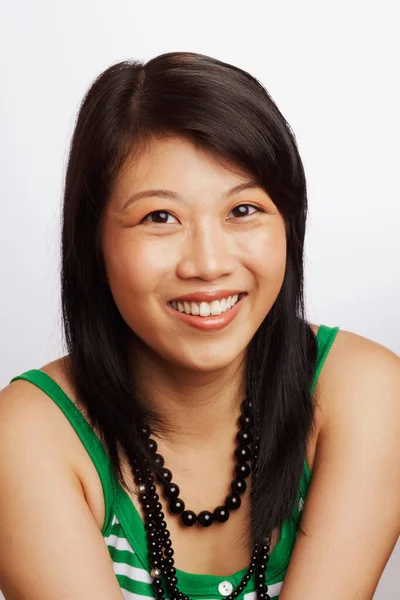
135 587
125 556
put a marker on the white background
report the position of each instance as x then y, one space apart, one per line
332 68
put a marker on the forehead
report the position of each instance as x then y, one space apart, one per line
177 163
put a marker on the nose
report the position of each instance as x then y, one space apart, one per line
208 253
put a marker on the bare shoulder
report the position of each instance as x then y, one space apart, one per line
26 404
355 487
360 375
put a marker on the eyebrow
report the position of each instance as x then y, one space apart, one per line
175 196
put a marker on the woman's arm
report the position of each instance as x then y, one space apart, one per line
352 511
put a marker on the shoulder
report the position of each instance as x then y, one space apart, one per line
354 492
31 414
361 379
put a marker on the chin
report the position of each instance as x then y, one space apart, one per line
210 359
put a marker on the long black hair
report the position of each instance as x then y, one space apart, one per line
227 112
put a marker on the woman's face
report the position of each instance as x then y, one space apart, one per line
200 237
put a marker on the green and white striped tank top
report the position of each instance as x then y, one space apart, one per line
123 529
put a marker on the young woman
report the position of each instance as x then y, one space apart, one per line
200 439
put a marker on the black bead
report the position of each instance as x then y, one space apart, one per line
245 422
171 571
159 516
233 502
238 486
243 454
169 552
221 514
176 506
188 517
152 445
247 407
242 470
145 431
165 476
171 490
244 438
205 518
159 460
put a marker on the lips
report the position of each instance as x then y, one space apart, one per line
207 296
211 322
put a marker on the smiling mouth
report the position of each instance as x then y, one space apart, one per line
207 309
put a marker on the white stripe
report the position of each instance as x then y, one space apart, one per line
119 543
131 596
115 520
273 590
132 572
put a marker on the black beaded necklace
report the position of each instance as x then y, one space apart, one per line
159 538
221 513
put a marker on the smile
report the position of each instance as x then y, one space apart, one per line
205 309
202 317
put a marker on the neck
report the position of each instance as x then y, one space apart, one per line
198 408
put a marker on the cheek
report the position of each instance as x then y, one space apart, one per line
136 267
267 254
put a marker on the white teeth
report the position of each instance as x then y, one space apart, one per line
195 308
205 309
216 308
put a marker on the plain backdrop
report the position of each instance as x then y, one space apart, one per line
331 67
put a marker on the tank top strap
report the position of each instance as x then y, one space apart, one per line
89 439
325 338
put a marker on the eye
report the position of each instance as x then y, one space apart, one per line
243 210
163 216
